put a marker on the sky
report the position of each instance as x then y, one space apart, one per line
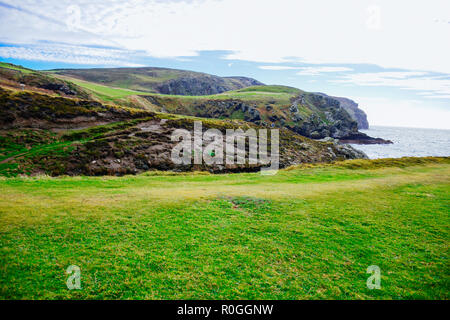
391 57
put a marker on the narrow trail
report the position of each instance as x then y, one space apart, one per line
13 157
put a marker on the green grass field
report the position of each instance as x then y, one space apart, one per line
305 233
104 92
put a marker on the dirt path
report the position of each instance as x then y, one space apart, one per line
13 157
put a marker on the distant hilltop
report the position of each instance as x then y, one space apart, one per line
160 80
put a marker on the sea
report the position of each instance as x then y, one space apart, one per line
408 142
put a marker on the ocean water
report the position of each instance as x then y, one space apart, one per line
408 142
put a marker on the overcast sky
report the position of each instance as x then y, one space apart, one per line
392 57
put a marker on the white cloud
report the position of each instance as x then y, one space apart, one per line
307 71
403 113
437 96
318 32
314 71
69 54
401 34
277 68
425 83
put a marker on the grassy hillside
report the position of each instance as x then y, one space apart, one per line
261 94
48 128
109 86
202 95
131 146
304 233
15 77
14 67
306 113
141 79
158 80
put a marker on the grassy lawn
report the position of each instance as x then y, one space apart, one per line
303 233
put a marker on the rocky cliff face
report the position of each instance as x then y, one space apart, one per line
352 108
357 114
311 115
330 120
205 85
337 122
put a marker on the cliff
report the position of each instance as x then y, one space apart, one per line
312 115
353 110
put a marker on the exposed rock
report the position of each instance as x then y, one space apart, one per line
294 107
337 124
64 88
297 117
362 138
204 85
350 152
352 108
316 135
193 86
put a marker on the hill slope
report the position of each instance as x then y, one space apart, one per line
53 132
159 80
313 115
186 83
